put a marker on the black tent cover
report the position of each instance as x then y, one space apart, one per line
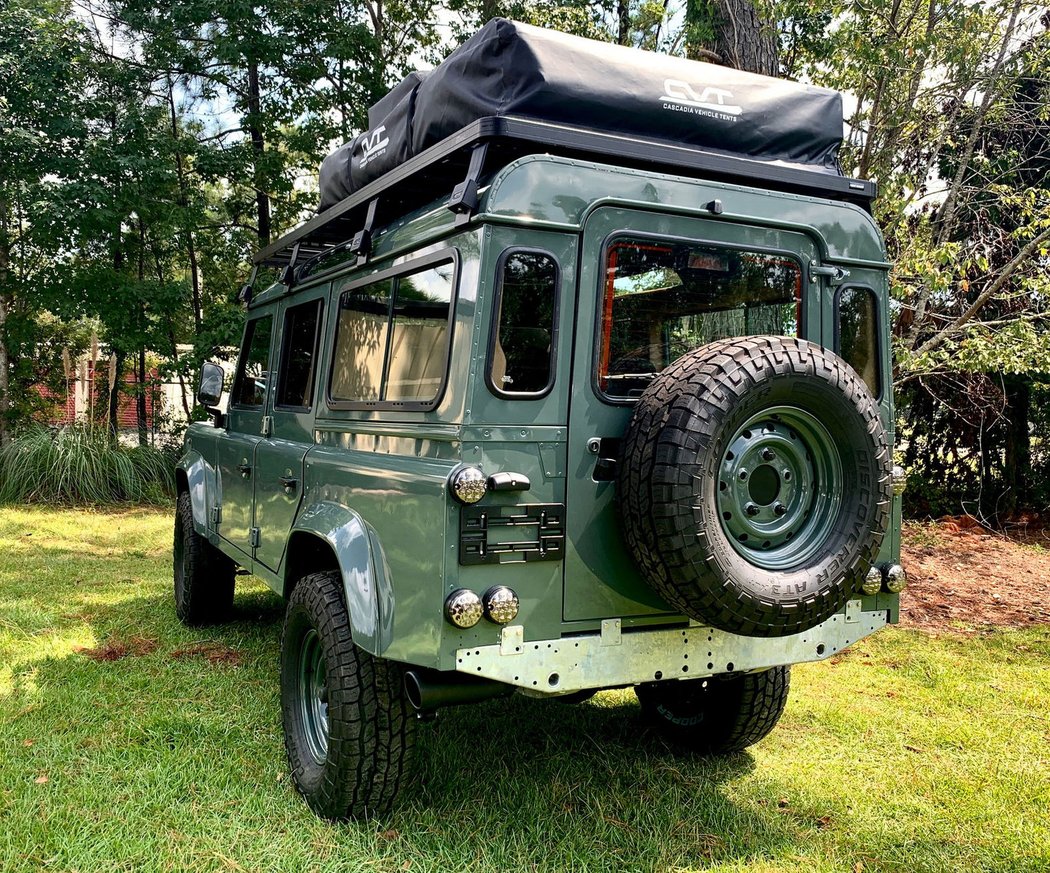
513 69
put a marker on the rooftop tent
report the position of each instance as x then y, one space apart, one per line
515 70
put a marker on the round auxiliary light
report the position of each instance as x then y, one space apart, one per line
463 608
872 582
468 484
896 579
501 604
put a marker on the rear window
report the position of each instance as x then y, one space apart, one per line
858 334
663 299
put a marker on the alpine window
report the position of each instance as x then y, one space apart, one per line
662 299
521 358
857 327
392 339
253 369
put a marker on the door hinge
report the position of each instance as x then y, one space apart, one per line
216 516
253 537
834 275
267 425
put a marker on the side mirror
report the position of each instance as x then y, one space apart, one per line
210 390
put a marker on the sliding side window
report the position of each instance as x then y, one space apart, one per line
392 340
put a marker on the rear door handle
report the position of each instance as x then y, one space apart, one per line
245 470
289 483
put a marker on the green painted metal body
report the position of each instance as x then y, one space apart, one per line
372 483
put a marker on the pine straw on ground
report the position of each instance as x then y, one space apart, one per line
964 578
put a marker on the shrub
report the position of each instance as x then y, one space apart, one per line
80 464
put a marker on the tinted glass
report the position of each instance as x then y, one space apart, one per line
252 374
522 355
360 342
295 384
858 335
419 338
662 300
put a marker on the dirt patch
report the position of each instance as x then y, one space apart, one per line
215 653
962 577
114 649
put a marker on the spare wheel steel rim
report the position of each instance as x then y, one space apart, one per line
779 488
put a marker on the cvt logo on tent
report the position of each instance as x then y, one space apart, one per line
714 102
373 144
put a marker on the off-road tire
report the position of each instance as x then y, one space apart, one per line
371 727
673 465
718 715
203 575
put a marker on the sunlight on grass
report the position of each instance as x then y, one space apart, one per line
907 752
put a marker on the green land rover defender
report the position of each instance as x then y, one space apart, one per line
579 380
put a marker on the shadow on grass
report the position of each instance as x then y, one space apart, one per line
508 784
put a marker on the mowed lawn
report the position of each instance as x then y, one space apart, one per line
911 752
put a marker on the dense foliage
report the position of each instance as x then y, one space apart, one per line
82 465
146 148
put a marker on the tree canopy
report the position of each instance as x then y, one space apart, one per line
147 148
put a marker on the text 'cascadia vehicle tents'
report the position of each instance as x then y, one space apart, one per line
515 70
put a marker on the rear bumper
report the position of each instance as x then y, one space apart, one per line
613 658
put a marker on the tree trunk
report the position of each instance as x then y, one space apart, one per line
732 33
1017 469
262 199
5 278
140 401
114 397
184 203
623 18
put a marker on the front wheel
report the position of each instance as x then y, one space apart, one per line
348 726
717 715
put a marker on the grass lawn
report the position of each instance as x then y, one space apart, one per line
910 752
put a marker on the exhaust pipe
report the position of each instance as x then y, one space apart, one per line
429 690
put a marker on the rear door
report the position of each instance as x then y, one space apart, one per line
653 287
279 456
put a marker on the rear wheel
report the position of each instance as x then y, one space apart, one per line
348 726
717 715
203 575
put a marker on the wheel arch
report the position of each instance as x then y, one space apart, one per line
330 536
191 477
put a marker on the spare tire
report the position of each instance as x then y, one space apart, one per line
755 484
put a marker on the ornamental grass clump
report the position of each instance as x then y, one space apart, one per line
81 464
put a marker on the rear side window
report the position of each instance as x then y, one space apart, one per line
521 361
295 382
252 371
392 339
858 335
663 299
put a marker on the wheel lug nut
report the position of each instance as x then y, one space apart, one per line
779 509
743 475
751 509
768 454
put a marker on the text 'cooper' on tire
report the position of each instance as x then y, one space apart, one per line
348 726
204 576
755 484
720 714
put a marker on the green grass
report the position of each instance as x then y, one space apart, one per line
908 753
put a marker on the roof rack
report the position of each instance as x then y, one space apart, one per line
457 163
